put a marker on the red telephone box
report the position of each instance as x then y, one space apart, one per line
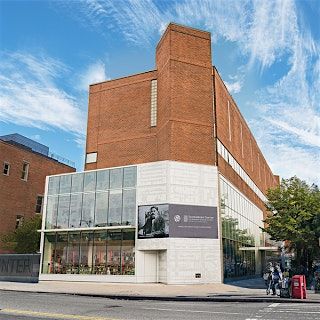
298 286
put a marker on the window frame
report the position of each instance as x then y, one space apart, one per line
5 163
25 171
39 205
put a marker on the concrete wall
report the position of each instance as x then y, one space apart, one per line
179 259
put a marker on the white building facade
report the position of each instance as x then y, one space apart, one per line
166 221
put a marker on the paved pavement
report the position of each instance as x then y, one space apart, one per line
244 290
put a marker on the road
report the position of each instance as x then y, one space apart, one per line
32 306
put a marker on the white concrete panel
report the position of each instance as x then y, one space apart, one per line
190 256
152 183
177 182
153 244
179 259
193 184
87 278
162 268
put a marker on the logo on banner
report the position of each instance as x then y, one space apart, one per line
177 218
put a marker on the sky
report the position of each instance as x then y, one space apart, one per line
267 52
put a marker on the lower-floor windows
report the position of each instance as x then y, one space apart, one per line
237 263
95 252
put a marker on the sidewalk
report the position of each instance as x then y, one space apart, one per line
245 290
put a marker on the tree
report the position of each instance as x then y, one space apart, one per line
25 239
294 217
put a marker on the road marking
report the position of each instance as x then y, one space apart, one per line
191 311
53 315
297 311
273 305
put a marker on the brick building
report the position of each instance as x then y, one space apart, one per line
174 183
25 165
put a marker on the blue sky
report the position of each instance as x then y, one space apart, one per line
267 52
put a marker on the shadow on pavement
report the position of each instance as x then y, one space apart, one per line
255 283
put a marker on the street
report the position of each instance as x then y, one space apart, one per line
23 305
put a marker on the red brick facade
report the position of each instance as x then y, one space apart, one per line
17 196
192 107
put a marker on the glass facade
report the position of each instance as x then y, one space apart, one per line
241 222
89 252
96 201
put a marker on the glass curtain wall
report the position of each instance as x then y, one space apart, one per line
97 201
108 252
92 199
241 222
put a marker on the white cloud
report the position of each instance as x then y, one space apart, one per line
138 20
290 161
93 74
30 96
234 87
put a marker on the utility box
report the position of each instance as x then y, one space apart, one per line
299 287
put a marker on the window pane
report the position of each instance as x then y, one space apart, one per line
100 252
127 252
48 252
129 207
63 212
102 180
39 204
116 176
51 214
115 207
113 252
77 182
75 210
101 218
129 177
53 187
89 181
87 218
60 257
73 252
65 184
86 246
25 170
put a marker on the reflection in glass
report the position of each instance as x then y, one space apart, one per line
86 246
89 181
77 182
115 207
129 207
100 252
116 176
129 177
53 186
73 252
239 225
101 217
102 180
87 218
48 253
113 252
63 211
75 210
60 254
127 252
51 212
65 184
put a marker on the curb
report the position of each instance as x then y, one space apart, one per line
179 298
